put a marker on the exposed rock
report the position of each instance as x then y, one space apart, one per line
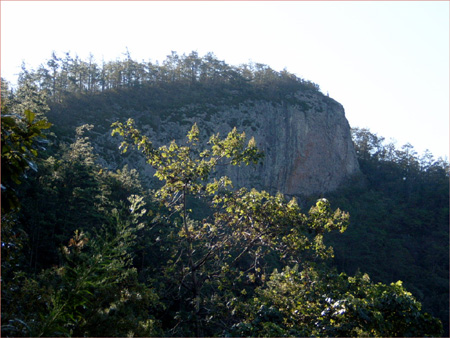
306 141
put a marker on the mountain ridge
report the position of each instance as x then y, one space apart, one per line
306 138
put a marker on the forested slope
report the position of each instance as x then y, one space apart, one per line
87 250
399 225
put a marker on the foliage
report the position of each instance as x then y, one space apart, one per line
219 263
94 292
399 216
20 138
22 135
317 301
89 191
83 258
61 76
50 292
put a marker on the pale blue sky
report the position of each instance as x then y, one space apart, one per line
386 62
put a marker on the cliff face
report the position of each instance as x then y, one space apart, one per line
306 140
308 147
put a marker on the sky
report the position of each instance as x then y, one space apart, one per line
386 62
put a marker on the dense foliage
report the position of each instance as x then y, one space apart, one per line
399 227
87 251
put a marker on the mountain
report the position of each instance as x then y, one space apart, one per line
398 227
304 134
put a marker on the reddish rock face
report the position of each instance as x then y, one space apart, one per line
308 146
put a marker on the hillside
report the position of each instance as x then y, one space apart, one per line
203 258
399 225
304 134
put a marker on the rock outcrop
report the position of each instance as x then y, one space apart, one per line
306 141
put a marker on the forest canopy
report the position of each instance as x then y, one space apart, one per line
69 74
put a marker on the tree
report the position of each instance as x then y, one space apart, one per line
95 292
317 301
367 144
192 65
213 258
400 216
70 175
54 65
221 264
91 287
20 137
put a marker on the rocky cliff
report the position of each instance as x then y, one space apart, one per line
306 140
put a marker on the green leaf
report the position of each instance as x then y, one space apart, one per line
30 116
